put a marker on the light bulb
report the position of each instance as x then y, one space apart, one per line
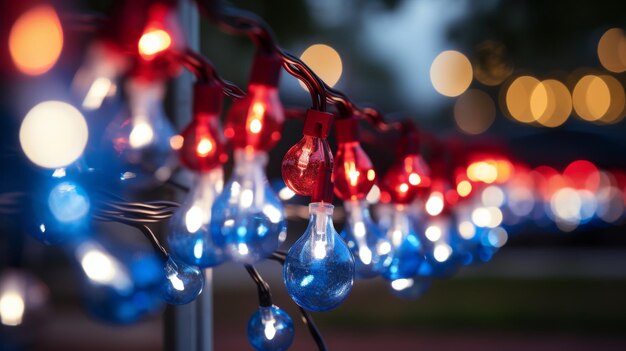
408 178
302 163
410 288
120 282
182 283
256 121
353 173
204 147
190 238
97 79
319 269
248 218
61 211
441 247
141 140
369 246
270 329
407 249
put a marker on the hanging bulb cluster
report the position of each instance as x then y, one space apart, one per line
353 177
404 181
249 220
319 267
203 151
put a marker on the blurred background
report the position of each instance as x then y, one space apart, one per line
541 82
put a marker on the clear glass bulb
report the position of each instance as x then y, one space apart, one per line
369 246
248 218
181 283
319 269
270 329
141 139
407 250
190 238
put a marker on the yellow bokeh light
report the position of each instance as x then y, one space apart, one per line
53 134
324 61
615 113
36 40
464 188
451 73
591 98
474 111
551 103
518 98
612 50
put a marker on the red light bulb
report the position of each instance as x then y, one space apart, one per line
409 177
353 173
203 145
256 121
303 162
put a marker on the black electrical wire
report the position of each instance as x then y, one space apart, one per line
307 319
265 294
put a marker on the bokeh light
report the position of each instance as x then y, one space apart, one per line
474 111
36 40
615 112
518 98
451 73
612 50
53 134
324 61
68 202
551 103
591 98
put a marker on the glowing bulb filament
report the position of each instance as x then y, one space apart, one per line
141 135
154 41
319 249
254 119
177 283
194 219
204 148
352 173
270 329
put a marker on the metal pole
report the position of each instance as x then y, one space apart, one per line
189 327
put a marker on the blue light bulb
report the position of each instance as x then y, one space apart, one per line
442 247
120 284
410 288
60 213
248 217
190 239
369 246
181 283
319 269
140 137
407 250
270 329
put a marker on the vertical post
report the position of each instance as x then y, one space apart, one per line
189 327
